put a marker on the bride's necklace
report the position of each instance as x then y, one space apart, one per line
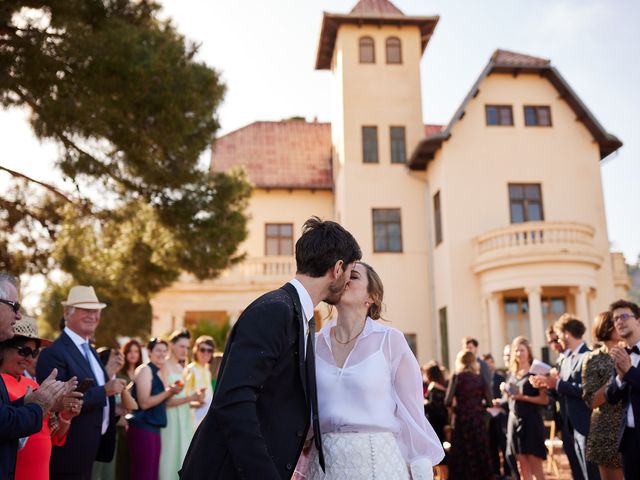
335 335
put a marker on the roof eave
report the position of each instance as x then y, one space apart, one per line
426 150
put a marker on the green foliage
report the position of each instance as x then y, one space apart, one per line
132 109
218 332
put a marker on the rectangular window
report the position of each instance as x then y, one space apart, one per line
537 116
525 202
516 316
278 239
499 114
387 230
437 218
398 145
444 336
370 144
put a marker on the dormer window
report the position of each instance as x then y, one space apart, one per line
367 50
394 50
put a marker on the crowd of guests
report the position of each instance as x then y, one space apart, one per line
65 406
69 411
493 422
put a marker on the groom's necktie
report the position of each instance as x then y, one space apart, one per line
310 364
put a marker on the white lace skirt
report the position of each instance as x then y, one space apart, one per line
358 456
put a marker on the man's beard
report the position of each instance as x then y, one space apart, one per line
336 290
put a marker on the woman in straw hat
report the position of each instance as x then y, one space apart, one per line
15 356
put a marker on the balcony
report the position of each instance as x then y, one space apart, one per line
535 242
259 270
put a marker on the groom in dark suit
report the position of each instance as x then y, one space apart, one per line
625 385
265 397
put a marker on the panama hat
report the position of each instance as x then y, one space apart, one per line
27 327
81 296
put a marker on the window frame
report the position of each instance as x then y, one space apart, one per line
279 237
437 218
525 202
361 41
386 50
386 223
536 110
404 144
498 108
377 144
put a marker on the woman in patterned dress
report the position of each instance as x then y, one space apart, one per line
469 394
597 370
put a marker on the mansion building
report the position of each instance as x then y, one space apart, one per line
491 226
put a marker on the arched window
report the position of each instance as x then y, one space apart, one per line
394 50
367 50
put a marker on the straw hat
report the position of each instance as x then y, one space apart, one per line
27 327
83 297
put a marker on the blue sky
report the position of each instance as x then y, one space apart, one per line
266 50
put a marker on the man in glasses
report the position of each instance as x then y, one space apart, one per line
625 385
22 417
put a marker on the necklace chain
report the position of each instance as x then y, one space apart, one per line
335 336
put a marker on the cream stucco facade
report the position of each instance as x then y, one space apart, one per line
487 276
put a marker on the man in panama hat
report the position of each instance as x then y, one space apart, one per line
92 433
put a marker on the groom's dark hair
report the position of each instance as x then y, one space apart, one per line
321 245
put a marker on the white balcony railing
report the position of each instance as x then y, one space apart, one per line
531 240
261 269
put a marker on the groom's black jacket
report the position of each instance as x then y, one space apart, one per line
260 415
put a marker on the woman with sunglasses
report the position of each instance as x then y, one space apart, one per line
15 356
198 375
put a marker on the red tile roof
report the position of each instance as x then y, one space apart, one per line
286 154
513 59
431 129
376 7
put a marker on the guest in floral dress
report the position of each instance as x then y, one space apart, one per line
469 394
597 370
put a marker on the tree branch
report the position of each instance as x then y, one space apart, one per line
51 188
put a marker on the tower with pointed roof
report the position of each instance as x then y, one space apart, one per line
374 53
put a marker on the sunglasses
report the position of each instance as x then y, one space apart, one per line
15 306
26 351
205 350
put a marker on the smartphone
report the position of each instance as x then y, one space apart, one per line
85 385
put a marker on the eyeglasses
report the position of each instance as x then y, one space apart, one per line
205 350
623 317
26 351
15 306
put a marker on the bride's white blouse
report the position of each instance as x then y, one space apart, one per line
379 389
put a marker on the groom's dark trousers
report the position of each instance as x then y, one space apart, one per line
260 415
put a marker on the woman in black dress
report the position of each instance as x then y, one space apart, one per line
525 428
469 395
436 410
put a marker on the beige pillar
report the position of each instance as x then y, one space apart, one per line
495 324
581 302
536 322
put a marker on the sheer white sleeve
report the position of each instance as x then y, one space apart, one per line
418 441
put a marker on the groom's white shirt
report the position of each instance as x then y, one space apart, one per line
307 307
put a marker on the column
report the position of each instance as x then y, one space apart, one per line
581 302
495 324
536 322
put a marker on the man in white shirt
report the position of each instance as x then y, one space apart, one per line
92 433
625 385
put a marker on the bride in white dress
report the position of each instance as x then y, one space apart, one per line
370 400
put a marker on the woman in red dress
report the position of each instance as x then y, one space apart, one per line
15 356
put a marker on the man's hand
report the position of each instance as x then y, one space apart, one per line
622 361
115 386
115 363
50 391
